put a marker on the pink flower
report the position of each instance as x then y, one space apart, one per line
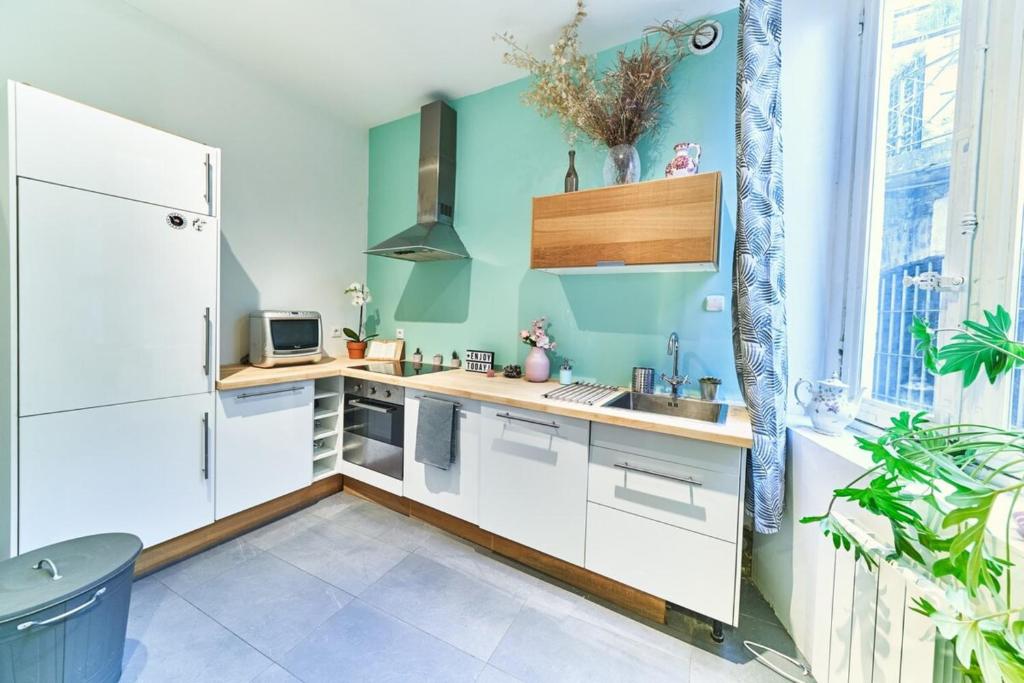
524 334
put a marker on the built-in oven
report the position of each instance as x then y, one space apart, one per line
374 427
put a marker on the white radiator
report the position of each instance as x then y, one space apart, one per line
873 635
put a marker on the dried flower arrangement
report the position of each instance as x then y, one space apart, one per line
615 107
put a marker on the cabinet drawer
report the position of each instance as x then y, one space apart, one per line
708 456
688 569
692 498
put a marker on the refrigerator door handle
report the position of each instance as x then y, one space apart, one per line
206 446
209 333
209 184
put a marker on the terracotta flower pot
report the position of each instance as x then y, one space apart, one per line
356 349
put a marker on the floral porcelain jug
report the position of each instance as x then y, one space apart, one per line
830 406
686 160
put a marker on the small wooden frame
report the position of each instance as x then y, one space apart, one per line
385 349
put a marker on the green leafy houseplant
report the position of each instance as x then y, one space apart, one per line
938 487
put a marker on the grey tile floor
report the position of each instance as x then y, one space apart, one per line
347 590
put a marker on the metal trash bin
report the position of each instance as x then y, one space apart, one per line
64 610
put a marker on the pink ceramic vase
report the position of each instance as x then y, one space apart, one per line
538 367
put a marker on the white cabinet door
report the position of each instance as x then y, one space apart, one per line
115 303
264 444
533 479
454 490
64 142
143 468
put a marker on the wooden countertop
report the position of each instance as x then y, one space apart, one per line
735 431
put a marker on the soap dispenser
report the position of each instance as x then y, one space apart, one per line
565 372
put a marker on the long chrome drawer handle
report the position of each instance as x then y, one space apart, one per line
373 407
70 613
254 394
510 416
654 473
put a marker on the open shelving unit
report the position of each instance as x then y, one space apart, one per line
327 400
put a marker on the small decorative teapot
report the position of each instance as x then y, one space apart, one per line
829 407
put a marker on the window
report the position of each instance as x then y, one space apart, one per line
916 96
932 149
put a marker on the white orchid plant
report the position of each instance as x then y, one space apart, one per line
360 294
537 335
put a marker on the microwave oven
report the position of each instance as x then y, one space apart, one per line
284 338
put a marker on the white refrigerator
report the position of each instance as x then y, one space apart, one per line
117 285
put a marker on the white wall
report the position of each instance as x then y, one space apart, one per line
815 36
815 40
294 180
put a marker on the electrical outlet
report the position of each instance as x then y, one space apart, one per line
400 333
714 303
336 332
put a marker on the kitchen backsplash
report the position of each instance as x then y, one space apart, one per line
506 155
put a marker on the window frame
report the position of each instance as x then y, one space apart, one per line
990 41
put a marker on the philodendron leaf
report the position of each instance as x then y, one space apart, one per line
970 643
981 345
971 538
925 343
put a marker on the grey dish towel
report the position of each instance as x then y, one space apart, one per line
435 432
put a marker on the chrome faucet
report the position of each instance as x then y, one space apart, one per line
675 381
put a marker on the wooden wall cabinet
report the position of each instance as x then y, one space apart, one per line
655 226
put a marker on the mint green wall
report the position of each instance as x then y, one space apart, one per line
506 155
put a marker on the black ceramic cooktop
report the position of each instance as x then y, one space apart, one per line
401 368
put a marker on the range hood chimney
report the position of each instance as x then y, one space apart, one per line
433 238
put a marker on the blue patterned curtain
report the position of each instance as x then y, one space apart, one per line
759 272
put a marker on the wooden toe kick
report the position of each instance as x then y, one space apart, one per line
627 597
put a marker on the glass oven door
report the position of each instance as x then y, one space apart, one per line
374 434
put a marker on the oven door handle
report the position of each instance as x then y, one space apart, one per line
372 406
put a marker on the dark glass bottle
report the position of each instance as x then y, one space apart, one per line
572 181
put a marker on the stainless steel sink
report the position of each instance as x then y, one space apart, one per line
708 411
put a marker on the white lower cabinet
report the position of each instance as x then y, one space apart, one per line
143 468
264 444
533 479
455 490
664 515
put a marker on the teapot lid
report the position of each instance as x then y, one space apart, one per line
834 382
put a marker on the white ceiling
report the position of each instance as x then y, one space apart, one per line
373 61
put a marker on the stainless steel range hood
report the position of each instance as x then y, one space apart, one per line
433 237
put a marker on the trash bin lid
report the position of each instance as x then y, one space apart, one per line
82 563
